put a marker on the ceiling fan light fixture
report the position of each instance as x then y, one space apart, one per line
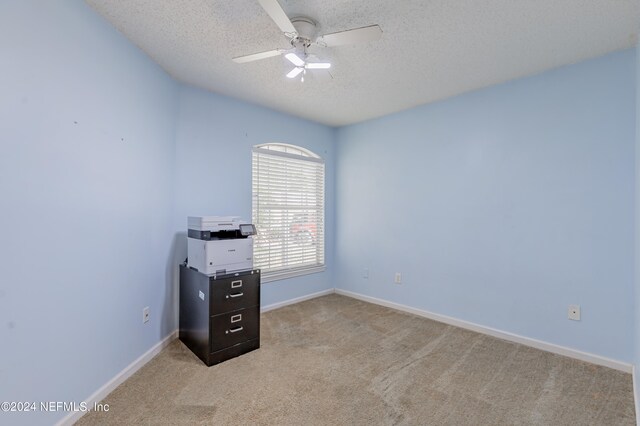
294 72
318 66
294 59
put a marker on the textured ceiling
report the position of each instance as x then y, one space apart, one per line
429 50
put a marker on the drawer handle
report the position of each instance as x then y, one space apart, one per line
236 318
234 330
236 284
233 296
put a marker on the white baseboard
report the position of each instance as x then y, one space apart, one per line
108 387
295 300
538 344
636 397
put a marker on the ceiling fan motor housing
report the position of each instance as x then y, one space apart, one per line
306 29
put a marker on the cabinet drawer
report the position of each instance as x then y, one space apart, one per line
234 293
234 327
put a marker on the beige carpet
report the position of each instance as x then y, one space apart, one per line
339 361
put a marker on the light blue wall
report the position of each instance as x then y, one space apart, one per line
213 170
502 206
87 124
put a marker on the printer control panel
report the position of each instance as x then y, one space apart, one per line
247 229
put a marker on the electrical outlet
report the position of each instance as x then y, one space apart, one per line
574 312
365 273
145 315
398 278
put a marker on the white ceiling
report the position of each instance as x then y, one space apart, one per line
429 50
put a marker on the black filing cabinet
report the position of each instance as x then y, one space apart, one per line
219 314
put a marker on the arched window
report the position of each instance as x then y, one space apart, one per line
288 210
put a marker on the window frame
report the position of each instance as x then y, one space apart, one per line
296 153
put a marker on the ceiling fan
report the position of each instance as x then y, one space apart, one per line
301 32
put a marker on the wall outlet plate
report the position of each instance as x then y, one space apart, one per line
365 273
145 315
574 312
398 278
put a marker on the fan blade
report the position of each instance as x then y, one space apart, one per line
294 72
318 65
273 8
257 56
358 35
295 59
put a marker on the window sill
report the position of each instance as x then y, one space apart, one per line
283 275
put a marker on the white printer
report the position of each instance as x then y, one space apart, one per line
219 244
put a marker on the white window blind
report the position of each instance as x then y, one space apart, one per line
288 211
